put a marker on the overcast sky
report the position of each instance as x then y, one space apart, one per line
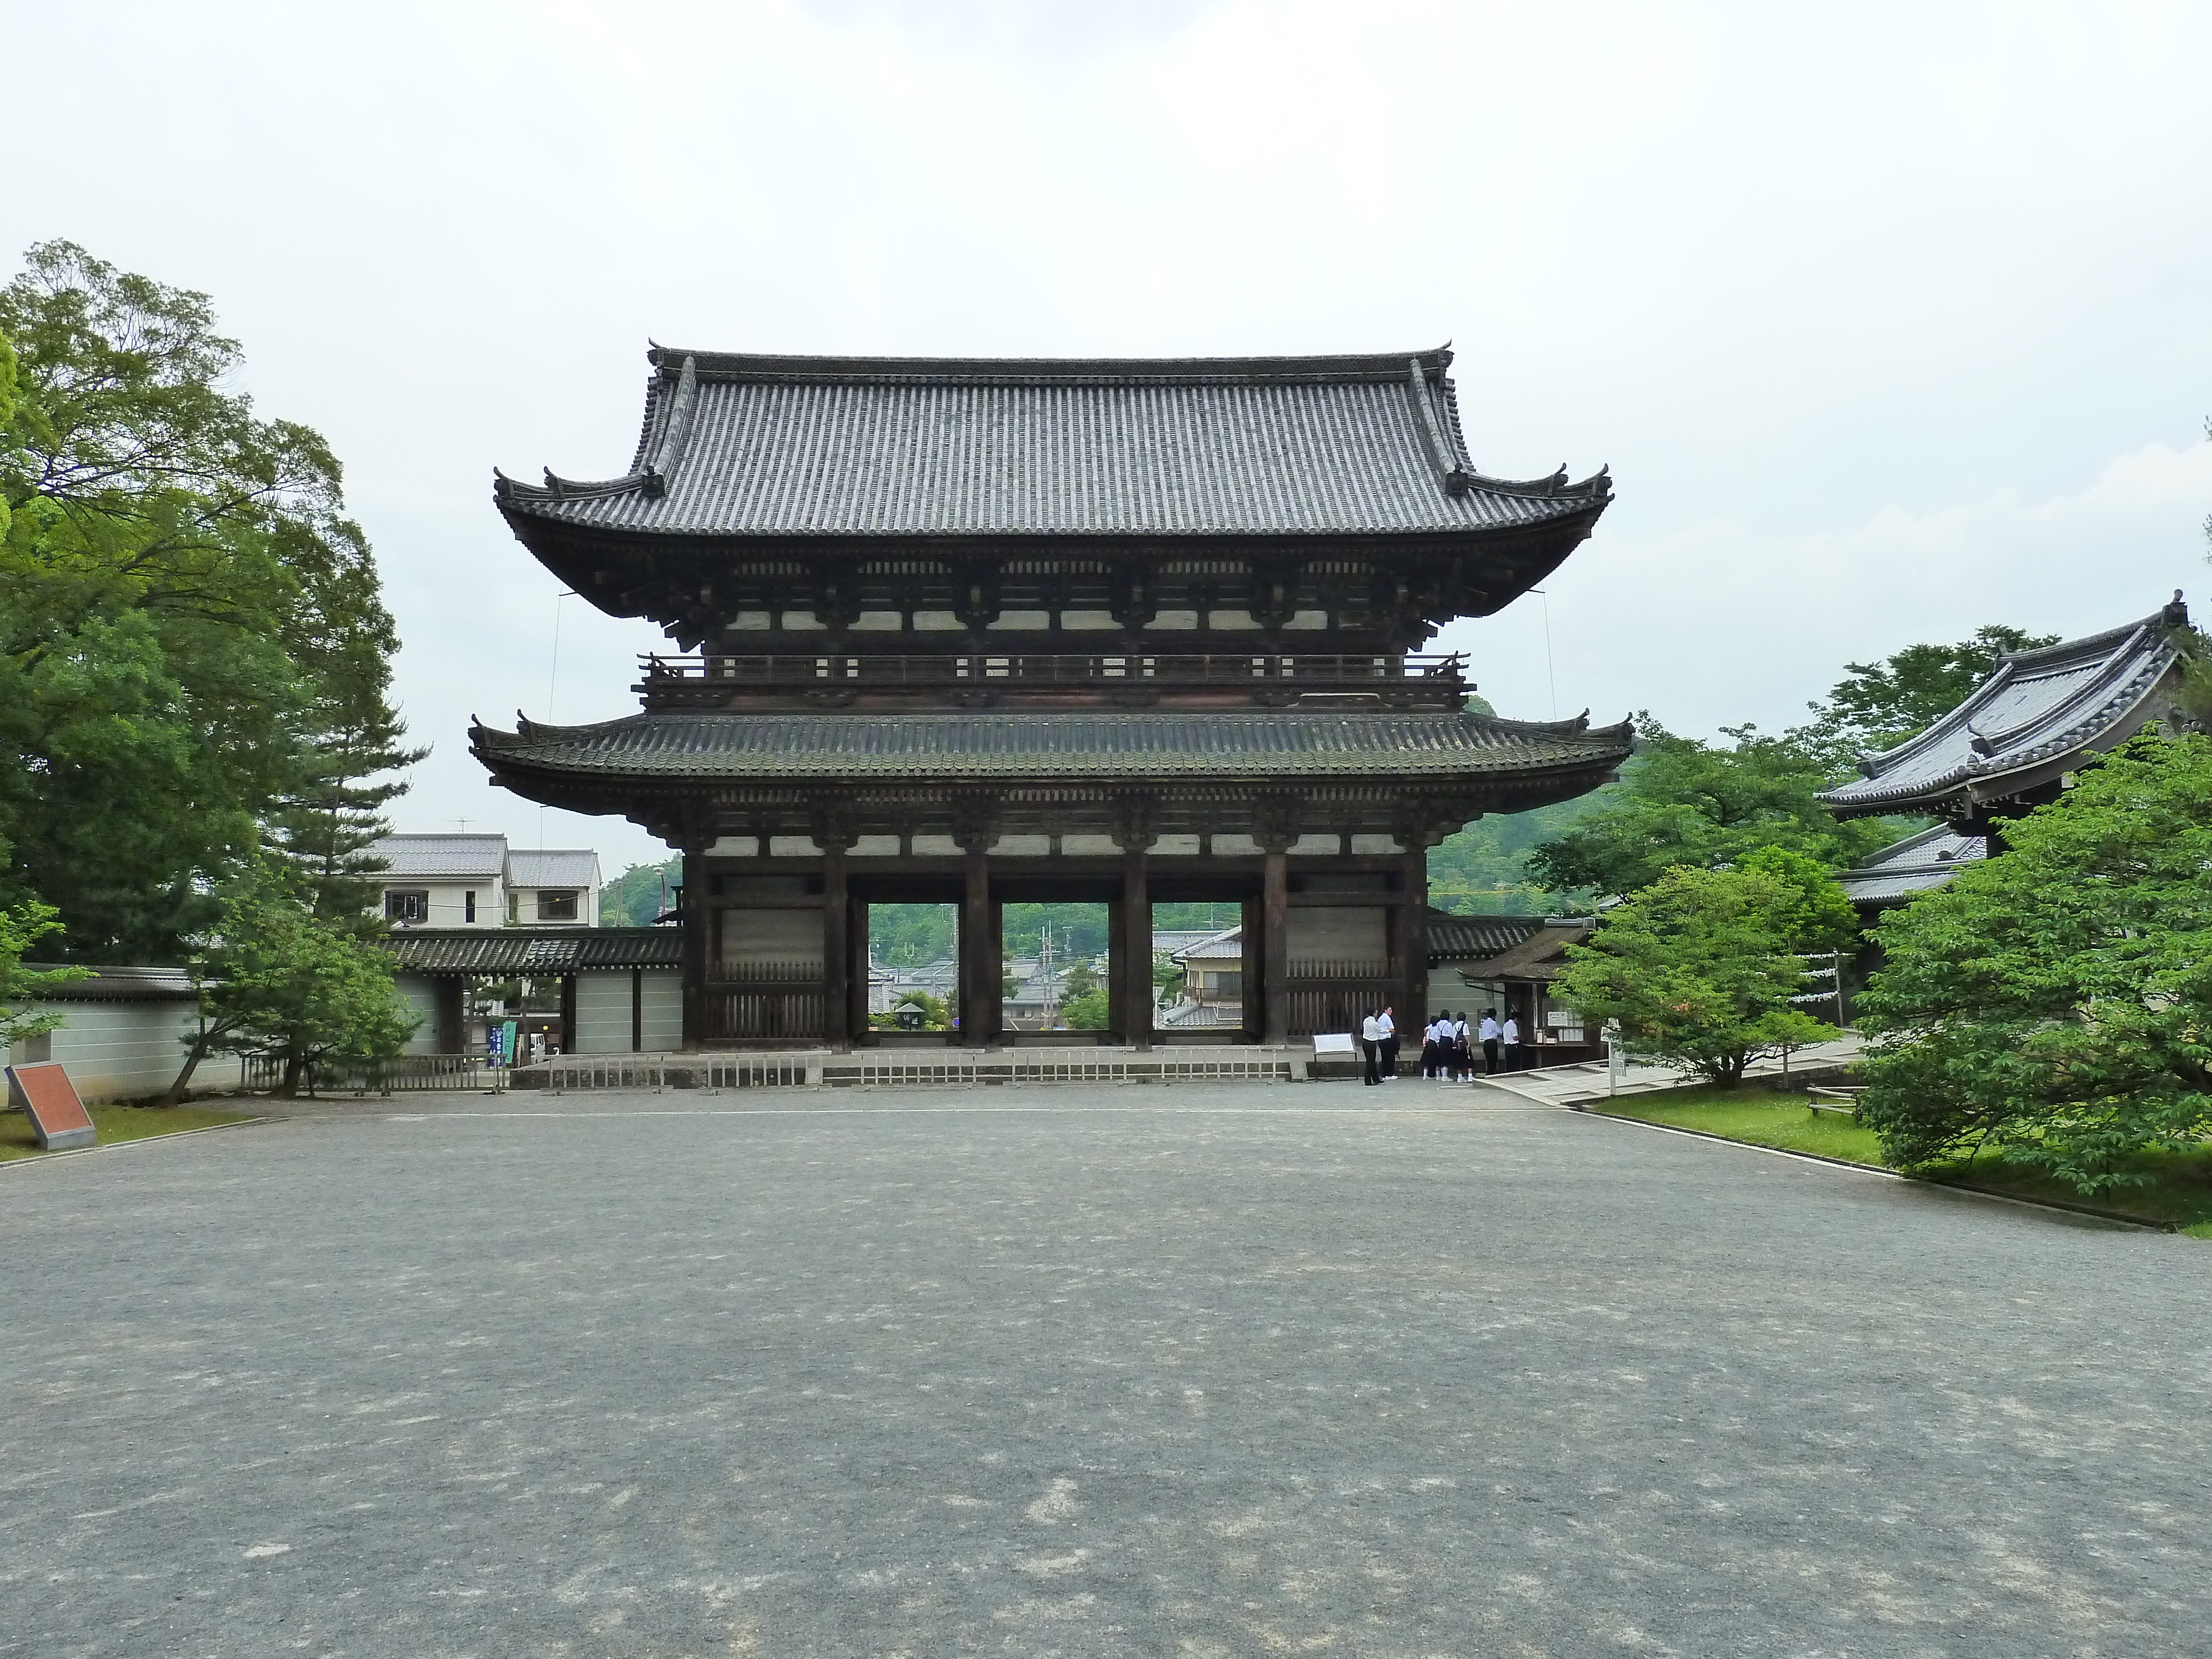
1890 320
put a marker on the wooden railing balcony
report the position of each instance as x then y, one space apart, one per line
700 680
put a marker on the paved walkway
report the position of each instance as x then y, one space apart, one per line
1205 1371
1576 1086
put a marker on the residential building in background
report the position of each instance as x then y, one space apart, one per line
479 881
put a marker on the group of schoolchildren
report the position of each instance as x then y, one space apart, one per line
1447 1052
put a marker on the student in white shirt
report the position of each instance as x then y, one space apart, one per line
1509 1033
1389 1024
1488 1034
1370 1044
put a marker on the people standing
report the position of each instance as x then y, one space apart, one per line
1386 1020
1509 1033
1462 1066
1432 1046
1370 1044
1488 1033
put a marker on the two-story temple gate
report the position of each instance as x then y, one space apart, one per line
986 632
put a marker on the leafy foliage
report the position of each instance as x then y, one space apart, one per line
1087 1013
2056 1003
1681 801
21 928
281 981
1697 969
193 645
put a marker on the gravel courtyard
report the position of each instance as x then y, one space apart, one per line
1193 1371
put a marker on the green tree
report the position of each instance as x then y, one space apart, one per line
2055 1004
1697 969
1815 912
189 624
1087 1013
1684 802
21 927
1079 978
278 981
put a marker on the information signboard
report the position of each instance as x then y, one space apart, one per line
45 1094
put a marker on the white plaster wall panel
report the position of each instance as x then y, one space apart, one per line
736 846
875 846
1308 845
936 847
1172 847
420 992
1022 846
603 1012
1087 847
793 847
1373 844
1238 846
123 1050
664 1009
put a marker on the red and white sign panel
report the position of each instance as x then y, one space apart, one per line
45 1094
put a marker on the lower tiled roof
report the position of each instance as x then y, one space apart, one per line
1920 861
1115 742
535 951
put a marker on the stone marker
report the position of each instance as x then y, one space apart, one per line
47 1096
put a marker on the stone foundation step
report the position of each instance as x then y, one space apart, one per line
907 1068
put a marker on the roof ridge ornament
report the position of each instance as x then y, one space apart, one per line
1455 477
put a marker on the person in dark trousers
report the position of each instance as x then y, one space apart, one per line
1370 1044
1489 1034
1387 1020
1516 1058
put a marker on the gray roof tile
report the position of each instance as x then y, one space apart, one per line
1920 861
1214 744
2034 717
523 949
426 858
736 446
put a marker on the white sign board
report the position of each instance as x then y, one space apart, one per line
1332 1042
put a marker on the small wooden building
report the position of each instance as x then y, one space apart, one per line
977 632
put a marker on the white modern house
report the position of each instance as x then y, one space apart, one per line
479 881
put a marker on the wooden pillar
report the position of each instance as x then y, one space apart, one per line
568 1013
698 928
1136 964
1412 933
836 947
637 1009
857 958
979 987
451 1035
1275 939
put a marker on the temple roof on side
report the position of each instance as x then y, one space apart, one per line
1903 868
2031 721
736 445
523 949
956 747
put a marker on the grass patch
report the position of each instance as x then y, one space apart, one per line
2177 1191
116 1123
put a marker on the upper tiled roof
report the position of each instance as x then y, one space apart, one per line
1911 865
1140 744
521 950
553 868
428 858
737 445
2032 719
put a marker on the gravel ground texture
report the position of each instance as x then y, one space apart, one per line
1193 1371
